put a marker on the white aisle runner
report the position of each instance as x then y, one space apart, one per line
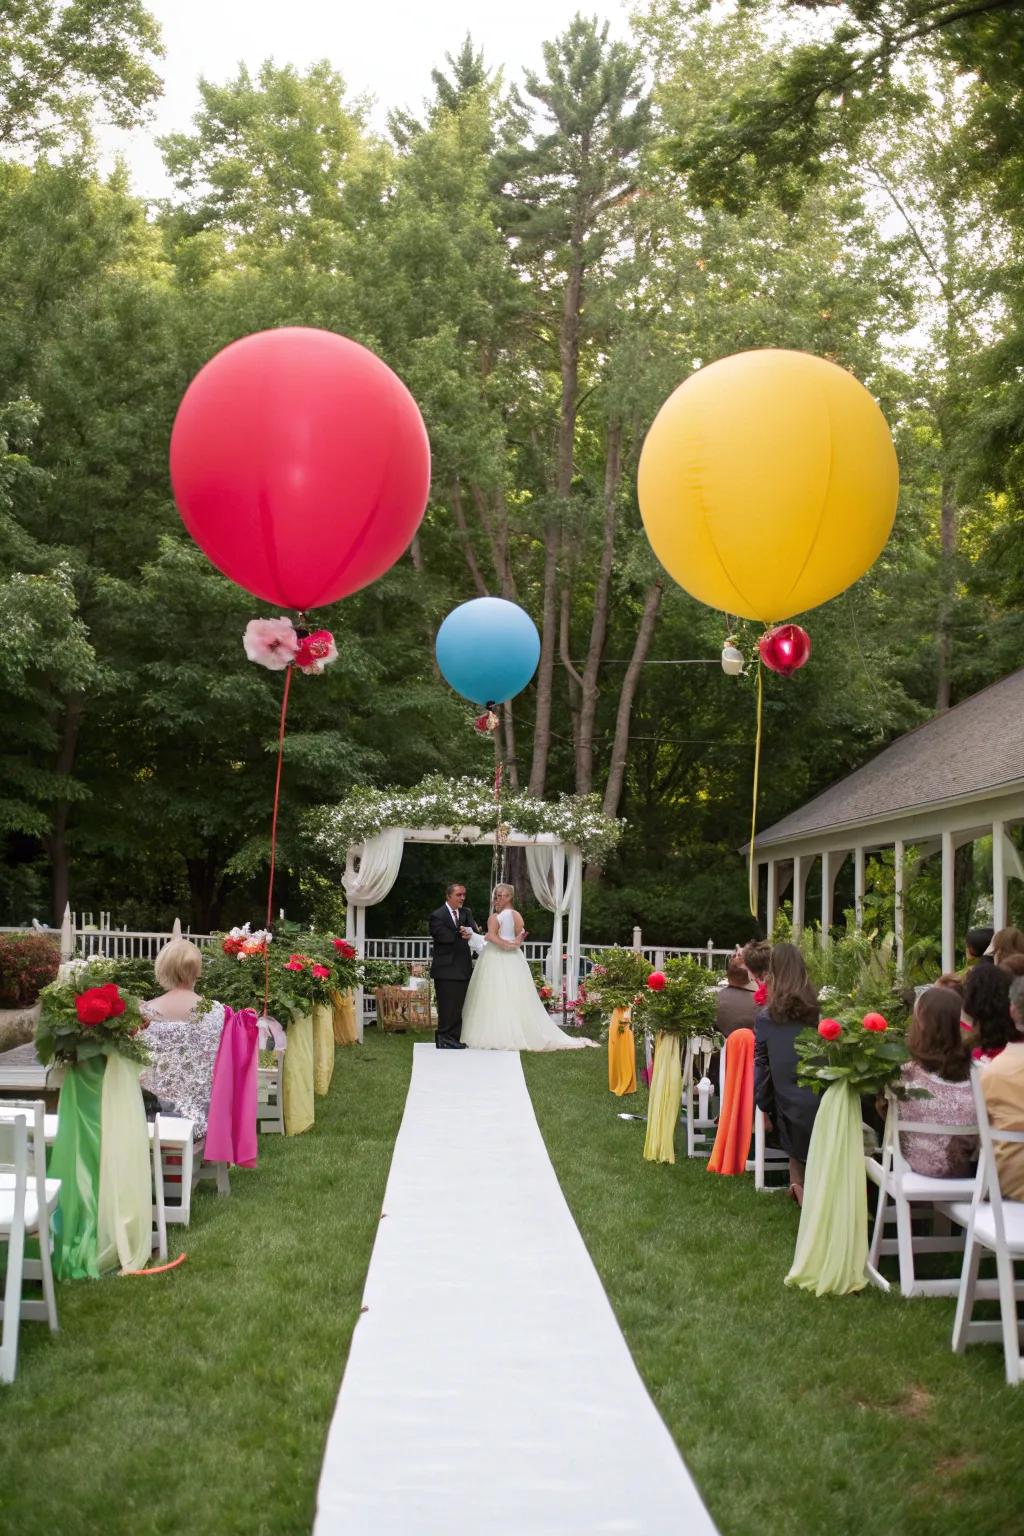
489 1390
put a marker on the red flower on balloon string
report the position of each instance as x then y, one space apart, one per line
316 651
486 724
276 644
785 649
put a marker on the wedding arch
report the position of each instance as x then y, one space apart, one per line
367 832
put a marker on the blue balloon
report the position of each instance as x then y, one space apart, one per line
488 649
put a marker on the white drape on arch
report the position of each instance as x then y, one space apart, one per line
380 859
556 874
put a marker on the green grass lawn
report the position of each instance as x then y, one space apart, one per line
199 1400
795 1414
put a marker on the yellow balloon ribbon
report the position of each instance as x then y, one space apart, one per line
752 876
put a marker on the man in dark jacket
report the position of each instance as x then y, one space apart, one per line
452 965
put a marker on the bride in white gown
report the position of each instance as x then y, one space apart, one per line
502 1011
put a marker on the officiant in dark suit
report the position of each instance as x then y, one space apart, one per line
452 964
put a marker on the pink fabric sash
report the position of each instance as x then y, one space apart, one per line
231 1128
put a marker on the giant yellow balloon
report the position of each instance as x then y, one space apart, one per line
768 483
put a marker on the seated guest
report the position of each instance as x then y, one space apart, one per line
951 982
1013 965
940 1063
734 1006
789 1107
182 1035
1002 1083
1008 941
986 1008
757 957
978 941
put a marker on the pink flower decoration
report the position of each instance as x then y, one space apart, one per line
294 965
320 972
271 643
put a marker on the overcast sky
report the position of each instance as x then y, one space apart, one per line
385 48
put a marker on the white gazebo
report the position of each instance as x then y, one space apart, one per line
370 831
956 778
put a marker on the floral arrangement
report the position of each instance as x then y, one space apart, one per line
616 979
680 1001
276 644
866 1053
466 806
80 1019
585 1008
243 943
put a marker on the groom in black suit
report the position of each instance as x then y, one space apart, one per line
452 965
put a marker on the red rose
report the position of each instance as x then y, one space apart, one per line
346 950
93 1006
320 971
545 992
830 1029
656 981
876 1023
760 994
295 964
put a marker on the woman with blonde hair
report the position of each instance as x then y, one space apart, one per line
502 1011
183 1033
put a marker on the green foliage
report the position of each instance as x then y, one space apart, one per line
28 962
134 977
685 1005
383 973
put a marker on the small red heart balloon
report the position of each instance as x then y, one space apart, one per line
785 649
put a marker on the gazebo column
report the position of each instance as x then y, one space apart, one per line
897 920
948 902
799 886
998 875
828 878
772 906
858 888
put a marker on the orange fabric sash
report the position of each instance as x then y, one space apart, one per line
736 1120
621 1054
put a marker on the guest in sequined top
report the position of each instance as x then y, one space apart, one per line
941 1065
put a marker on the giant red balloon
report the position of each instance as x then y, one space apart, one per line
300 465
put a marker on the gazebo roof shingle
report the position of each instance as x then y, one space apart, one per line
972 749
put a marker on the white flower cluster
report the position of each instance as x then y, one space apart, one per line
462 804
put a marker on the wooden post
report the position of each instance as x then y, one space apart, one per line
799 885
948 903
638 942
998 875
828 876
67 936
898 902
858 888
773 896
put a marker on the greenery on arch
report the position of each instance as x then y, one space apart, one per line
462 805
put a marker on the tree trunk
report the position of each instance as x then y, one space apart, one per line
620 746
569 355
511 761
947 528
467 544
564 647
60 882
599 621
494 522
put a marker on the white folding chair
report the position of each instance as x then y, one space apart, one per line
42 1196
700 1123
159 1204
997 1225
900 1190
765 1158
270 1097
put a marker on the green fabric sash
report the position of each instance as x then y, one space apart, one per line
664 1101
125 1217
75 1160
298 1077
832 1243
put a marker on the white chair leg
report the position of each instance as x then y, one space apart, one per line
965 1299
905 1238
159 1206
223 1181
46 1271
12 1302
1008 1312
878 1231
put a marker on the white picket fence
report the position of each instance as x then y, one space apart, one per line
80 934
